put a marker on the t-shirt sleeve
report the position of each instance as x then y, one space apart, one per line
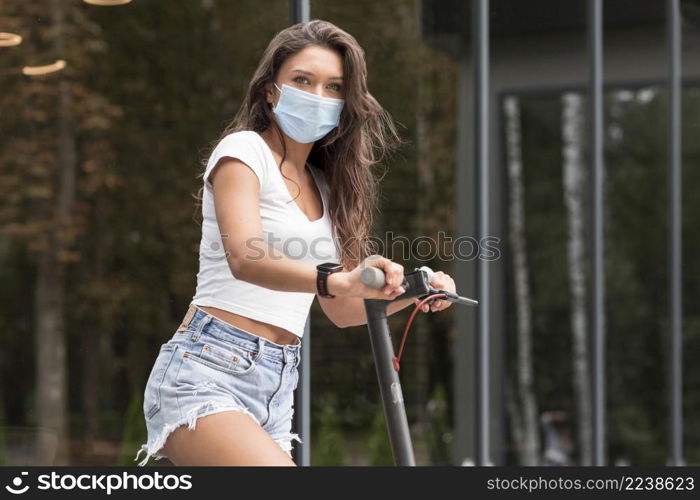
239 145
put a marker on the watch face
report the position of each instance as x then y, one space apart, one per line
329 267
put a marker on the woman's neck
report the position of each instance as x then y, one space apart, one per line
297 153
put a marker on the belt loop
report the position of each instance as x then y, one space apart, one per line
202 324
261 348
291 353
191 310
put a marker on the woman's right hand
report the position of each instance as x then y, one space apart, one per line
348 284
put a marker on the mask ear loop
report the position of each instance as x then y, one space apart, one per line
272 104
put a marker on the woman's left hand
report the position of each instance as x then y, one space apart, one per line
440 281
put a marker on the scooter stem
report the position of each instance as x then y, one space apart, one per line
415 284
389 383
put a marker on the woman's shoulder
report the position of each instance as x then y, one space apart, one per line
249 136
245 146
243 142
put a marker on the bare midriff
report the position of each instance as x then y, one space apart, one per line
267 331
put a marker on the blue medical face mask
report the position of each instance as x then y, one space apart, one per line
306 117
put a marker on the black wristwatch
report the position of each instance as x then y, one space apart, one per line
325 270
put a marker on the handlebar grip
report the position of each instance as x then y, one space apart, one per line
373 276
429 272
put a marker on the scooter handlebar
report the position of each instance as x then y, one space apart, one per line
375 277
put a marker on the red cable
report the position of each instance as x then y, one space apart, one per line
396 359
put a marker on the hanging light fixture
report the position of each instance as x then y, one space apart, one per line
9 39
107 2
43 70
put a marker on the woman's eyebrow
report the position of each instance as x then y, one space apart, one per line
310 73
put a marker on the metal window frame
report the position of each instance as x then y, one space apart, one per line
299 13
675 294
481 55
595 89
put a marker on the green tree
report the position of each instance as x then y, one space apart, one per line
134 431
439 435
379 444
329 448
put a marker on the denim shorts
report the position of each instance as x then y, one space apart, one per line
209 366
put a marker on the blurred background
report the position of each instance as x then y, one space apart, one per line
99 227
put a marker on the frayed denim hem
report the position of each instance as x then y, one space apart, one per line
152 449
286 444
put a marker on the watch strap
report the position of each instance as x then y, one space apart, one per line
322 284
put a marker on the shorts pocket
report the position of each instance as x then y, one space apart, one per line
232 359
152 393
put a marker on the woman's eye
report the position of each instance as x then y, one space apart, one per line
302 79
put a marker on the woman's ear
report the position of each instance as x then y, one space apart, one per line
270 94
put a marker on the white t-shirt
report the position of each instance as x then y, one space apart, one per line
284 226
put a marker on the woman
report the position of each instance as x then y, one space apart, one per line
308 125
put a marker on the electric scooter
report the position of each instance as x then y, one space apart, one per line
415 284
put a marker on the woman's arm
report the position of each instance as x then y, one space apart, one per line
350 311
236 201
250 258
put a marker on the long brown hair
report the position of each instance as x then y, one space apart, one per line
364 137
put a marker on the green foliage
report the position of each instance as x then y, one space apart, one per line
134 431
328 445
379 444
3 445
439 434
